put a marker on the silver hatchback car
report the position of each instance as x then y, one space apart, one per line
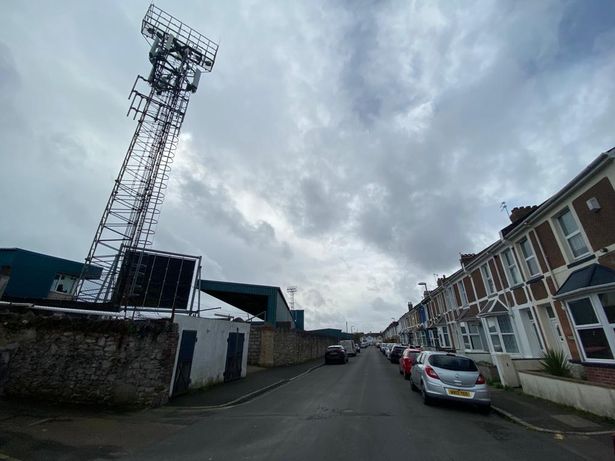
442 375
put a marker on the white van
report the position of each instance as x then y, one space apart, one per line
349 346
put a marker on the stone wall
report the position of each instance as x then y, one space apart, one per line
254 346
283 346
91 361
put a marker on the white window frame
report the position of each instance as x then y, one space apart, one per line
443 337
567 237
466 336
488 281
511 268
500 335
463 294
450 297
530 257
603 323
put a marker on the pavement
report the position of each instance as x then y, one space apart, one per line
545 416
256 382
32 430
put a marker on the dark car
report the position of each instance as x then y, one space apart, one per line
407 360
396 353
336 354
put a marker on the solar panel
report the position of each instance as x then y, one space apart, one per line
156 280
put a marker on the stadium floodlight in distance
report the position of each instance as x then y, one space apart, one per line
179 55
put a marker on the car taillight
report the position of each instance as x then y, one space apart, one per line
480 379
431 372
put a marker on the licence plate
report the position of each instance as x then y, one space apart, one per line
458 393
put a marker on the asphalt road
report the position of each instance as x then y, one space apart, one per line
363 410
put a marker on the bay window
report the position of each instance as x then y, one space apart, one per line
502 334
443 337
471 336
594 322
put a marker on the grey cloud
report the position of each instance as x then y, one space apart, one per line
313 298
378 132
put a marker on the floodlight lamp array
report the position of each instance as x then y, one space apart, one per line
159 27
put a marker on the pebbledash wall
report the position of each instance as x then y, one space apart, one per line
274 347
91 361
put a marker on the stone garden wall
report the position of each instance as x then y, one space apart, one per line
85 360
283 346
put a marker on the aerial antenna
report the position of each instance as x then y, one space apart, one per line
179 55
504 207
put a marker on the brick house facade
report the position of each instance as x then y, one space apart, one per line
548 282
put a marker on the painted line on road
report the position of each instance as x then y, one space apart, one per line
251 395
524 423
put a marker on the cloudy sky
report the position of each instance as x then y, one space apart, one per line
351 148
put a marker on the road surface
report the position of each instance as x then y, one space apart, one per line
363 410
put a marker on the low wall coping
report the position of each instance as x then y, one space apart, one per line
570 380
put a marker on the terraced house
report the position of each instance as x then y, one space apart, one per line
548 282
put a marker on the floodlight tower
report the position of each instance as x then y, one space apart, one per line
179 55
291 292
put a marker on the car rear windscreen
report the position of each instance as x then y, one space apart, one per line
452 362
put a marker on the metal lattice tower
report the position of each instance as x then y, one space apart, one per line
291 292
178 55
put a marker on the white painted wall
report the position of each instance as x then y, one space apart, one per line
210 349
596 399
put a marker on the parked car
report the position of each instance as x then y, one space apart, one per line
407 360
448 376
349 346
336 354
396 351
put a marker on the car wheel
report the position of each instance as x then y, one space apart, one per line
412 386
426 399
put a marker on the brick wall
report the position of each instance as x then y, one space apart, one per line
554 255
601 375
91 361
598 226
478 284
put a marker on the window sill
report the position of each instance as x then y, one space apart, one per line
534 279
518 285
578 262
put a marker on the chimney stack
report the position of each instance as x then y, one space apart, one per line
521 212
